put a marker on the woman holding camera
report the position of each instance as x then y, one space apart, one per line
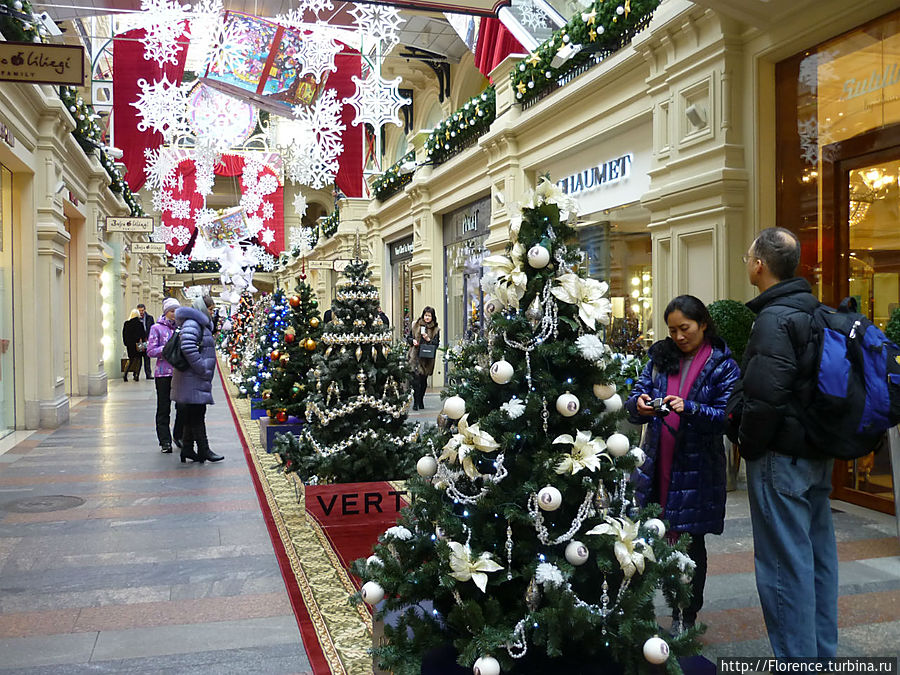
681 395
424 338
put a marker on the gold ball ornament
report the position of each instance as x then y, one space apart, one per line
314 322
310 344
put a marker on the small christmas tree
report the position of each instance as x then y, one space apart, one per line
356 413
237 334
269 333
288 386
523 542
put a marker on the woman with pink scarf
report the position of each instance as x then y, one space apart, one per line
681 395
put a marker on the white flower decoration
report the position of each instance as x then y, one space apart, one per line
631 551
506 278
591 347
469 439
548 573
586 453
513 408
587 295
465 568
398 532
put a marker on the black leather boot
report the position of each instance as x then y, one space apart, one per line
187 453
206 454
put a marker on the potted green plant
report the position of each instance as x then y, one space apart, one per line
892 329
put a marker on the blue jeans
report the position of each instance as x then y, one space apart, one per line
795 553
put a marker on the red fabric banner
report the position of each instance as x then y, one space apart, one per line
129 66
495 43
349 179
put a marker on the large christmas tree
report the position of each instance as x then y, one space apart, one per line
287 387
523 542
356 413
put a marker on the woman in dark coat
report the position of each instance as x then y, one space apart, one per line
133 336
424 331
192 388
693 373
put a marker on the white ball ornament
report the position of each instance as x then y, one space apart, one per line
374 560
567 404
604 391
426 466
618 445
657 526
455 407
486 665
656 650
612 404
549 498
577 553
538 257
639 456
372 592
501 371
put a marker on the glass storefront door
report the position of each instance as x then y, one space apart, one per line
7 379
465 301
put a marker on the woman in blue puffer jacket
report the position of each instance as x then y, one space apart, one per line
692 373
160 332
192 388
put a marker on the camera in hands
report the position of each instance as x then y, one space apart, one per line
660 407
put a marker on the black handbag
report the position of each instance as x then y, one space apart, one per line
173 354
427 351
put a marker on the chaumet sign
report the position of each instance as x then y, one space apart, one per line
597 176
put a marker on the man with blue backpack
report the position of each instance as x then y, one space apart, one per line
788 477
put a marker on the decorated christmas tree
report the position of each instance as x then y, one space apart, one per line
356 414
239 332
288 386
265 349
523 549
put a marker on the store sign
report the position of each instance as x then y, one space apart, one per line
171 283
401 249
470 221
596 177
148 247
163 270
142 224
41 63
320 264
341 264
854 87
475 7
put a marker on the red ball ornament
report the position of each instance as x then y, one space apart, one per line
294 301
275 355
281 416
289 337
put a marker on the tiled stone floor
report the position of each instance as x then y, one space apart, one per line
168 567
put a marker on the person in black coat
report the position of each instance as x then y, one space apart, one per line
147 322
133 336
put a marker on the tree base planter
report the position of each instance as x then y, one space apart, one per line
353 515
256 412
268 430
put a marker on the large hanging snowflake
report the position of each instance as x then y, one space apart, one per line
321 122
300 204
161 106
206 17
301 240
181 235
162 234
267 261
164 22
268 211
254 224
162 200
253 254
159 167
316 55
306 164
380 23
204 216
228 47
294 17
181 262
530 15
377 101
251 201
266 236
180 209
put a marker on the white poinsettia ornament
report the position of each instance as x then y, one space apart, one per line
631 551
506 279
514 407
466 568
587 295
462 444
586 453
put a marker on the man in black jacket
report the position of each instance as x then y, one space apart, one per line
147 322
788 480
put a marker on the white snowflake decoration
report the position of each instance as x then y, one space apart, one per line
294 18
164 21
808 131
161 106
267 236
181 235
162 234
377 101
180 209
316 55
254 224
267 262
321 123
307 165
268 211
205 17
253 254
300 240
267 184
159 167
379 22
300 204
251 201
529 15
162 200
228 47
181 262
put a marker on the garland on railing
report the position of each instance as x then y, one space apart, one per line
392 181
330 224
17 23
602 29
456 132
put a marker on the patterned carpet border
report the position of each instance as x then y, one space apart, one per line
336 634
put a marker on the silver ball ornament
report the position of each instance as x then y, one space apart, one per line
577 553
549 498
501 371
426 466
657 526
567 404
604 391
486 665
639 456
618 445
454 407
538 257
372 592
656 650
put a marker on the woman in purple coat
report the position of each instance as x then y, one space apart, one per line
192 388
160 332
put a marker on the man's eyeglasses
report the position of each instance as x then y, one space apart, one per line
747 258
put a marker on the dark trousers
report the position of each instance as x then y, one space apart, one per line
194 425
420 384
164 412
147 371
697 552
134 367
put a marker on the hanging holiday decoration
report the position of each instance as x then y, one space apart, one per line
312 158
377 100
294 18
316 55
530 15
228 46
160 166
453 134
164 22
379 23
222 119
300 204
161 105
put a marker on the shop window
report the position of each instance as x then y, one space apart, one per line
7 374
465 301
